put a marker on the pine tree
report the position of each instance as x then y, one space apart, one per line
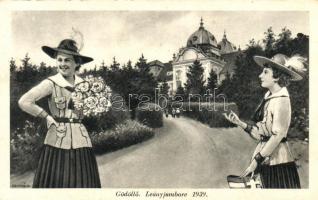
13 66
164 88
103 67
26 62
129 65
115 65
195 80
142 65
212 81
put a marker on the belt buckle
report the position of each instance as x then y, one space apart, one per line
71 120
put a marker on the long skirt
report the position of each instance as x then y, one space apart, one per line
283 175
67 168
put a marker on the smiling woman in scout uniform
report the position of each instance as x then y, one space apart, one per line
67 159
272 158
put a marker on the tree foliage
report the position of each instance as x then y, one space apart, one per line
195 79
212 80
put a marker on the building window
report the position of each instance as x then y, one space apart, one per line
178 78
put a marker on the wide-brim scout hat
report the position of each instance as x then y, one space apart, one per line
293 66
67 46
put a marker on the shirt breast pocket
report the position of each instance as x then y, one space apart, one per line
60 102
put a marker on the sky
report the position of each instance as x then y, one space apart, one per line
126 35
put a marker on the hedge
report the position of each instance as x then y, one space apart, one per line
123 135
26 143
150 114
211 115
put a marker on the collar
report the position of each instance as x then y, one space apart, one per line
281 93
59 80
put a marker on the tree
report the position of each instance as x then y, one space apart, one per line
282 44
244 88
195 80
269 42
129 65
115 65
13 66
142 65
225 86
26 62
212 81
164 88
180 94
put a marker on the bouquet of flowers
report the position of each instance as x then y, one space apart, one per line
92 96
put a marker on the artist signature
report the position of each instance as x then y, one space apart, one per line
20 185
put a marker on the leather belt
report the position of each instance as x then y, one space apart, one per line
67 120
266 138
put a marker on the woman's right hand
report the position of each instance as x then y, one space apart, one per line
50 121
233 118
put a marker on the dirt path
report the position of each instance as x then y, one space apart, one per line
184 153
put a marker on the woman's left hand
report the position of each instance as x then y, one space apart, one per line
250 168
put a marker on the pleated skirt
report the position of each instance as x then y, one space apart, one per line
67 168
283 175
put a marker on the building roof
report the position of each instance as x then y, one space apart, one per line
156 63
201 37
226 46
166 73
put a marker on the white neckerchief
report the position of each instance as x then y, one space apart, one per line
60 80
281 93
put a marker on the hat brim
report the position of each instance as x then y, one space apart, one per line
52 52
261 61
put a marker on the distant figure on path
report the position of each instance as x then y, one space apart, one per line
173 112
178 112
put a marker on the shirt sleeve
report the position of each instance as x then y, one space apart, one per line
256 130
27 101
281 122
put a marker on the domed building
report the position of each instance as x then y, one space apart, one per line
203 46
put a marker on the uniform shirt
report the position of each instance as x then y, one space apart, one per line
67 135
275 125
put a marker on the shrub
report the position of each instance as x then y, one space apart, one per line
123 135
150 115
25 146
116 115
26 143
212 116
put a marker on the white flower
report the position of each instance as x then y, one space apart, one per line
97 86
91 102
82 87
99 109
77 96
104 102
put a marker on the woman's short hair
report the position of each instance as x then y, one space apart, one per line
78 61
283 77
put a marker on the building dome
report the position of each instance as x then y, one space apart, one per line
226 46
201 37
